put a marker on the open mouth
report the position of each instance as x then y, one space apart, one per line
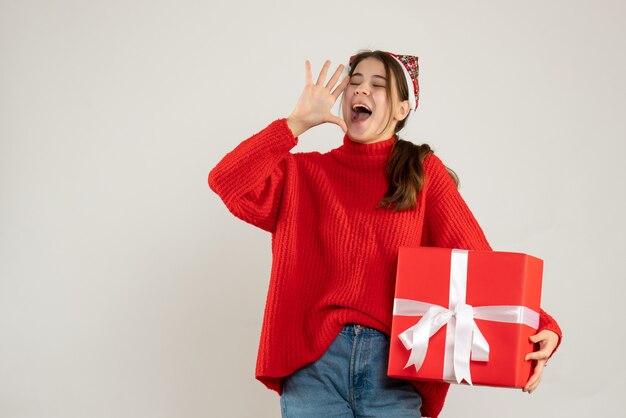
360 112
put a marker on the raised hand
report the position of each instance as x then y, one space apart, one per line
316 101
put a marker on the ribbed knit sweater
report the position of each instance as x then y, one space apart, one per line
334 253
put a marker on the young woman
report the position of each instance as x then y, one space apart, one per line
337 220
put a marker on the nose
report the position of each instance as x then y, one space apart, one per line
361 89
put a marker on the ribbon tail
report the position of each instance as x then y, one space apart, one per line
463 343
419 345
416 339
480 346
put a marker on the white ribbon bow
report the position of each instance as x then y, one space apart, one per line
463 337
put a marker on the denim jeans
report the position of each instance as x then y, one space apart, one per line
350 380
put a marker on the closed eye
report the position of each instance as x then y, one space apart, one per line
356 84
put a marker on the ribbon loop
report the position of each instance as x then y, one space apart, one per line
416 338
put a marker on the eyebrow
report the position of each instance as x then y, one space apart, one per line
379 76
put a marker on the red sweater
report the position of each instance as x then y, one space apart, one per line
334 253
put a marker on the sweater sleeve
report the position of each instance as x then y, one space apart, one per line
448 219
433 396
250 178
549 323
451 224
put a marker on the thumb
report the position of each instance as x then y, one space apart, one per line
340 122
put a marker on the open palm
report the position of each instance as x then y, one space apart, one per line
316 101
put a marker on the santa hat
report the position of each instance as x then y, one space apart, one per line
410 68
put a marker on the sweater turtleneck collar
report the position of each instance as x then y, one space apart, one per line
371 156
380 148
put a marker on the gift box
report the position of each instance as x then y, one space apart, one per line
464 316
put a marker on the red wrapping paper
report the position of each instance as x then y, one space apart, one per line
493 278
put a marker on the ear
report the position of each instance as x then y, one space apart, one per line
402 111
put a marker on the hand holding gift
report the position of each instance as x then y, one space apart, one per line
548 341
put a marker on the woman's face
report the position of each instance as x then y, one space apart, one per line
367 87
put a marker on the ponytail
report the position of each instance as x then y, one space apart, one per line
405 175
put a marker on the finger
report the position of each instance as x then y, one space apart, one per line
307 66
532 383
335 77
538 337
538 355
545 336
534 380
341 87
322 76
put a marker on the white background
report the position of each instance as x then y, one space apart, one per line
128 290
